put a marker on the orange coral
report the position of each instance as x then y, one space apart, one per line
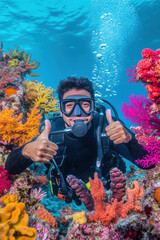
41 179
45 215
157 195
106 212
10 91
13 131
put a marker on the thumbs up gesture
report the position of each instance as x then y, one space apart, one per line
115 131
41 150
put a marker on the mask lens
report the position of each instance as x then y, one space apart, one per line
86 105
68 106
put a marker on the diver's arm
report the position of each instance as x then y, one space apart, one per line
17 162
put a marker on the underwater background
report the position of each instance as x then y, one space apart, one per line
99 40
92 38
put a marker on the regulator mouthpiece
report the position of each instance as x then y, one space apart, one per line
79 129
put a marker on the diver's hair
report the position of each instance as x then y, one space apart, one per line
75 83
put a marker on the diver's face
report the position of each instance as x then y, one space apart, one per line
70 120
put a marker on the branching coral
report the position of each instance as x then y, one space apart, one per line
106 212
13 223
148 72
46 216
38 94
41 180
5 183
37 194
140 112
8 76
16 57
13 131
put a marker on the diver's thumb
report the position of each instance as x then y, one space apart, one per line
109 116
46 131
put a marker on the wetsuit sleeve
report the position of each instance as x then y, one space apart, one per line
16 162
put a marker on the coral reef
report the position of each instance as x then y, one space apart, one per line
46 216
145 112
81 191
117 184
10 198
13 131
14 221
78 217
37 94
106 212
5 183
148 72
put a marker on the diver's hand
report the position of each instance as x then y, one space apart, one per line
115 131
41 150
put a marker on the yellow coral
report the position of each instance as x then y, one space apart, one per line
10 198
22 56
12 130
38 94
14 62
78 217
13 223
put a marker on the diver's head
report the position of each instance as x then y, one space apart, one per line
76 100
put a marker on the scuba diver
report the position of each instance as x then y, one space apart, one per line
81 140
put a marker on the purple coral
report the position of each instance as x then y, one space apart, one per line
118 183
81 191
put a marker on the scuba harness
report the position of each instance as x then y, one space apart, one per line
57 183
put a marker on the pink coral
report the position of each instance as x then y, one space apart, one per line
139 112
5 183
37 194
9 75
81 191
118 183
153 158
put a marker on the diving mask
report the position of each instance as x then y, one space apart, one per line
77 105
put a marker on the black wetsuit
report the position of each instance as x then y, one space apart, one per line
80 156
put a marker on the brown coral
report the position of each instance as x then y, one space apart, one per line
45 215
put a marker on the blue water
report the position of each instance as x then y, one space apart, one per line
97 39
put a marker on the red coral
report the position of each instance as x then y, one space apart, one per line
148 72
144 64
5 183
147 52
106 212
